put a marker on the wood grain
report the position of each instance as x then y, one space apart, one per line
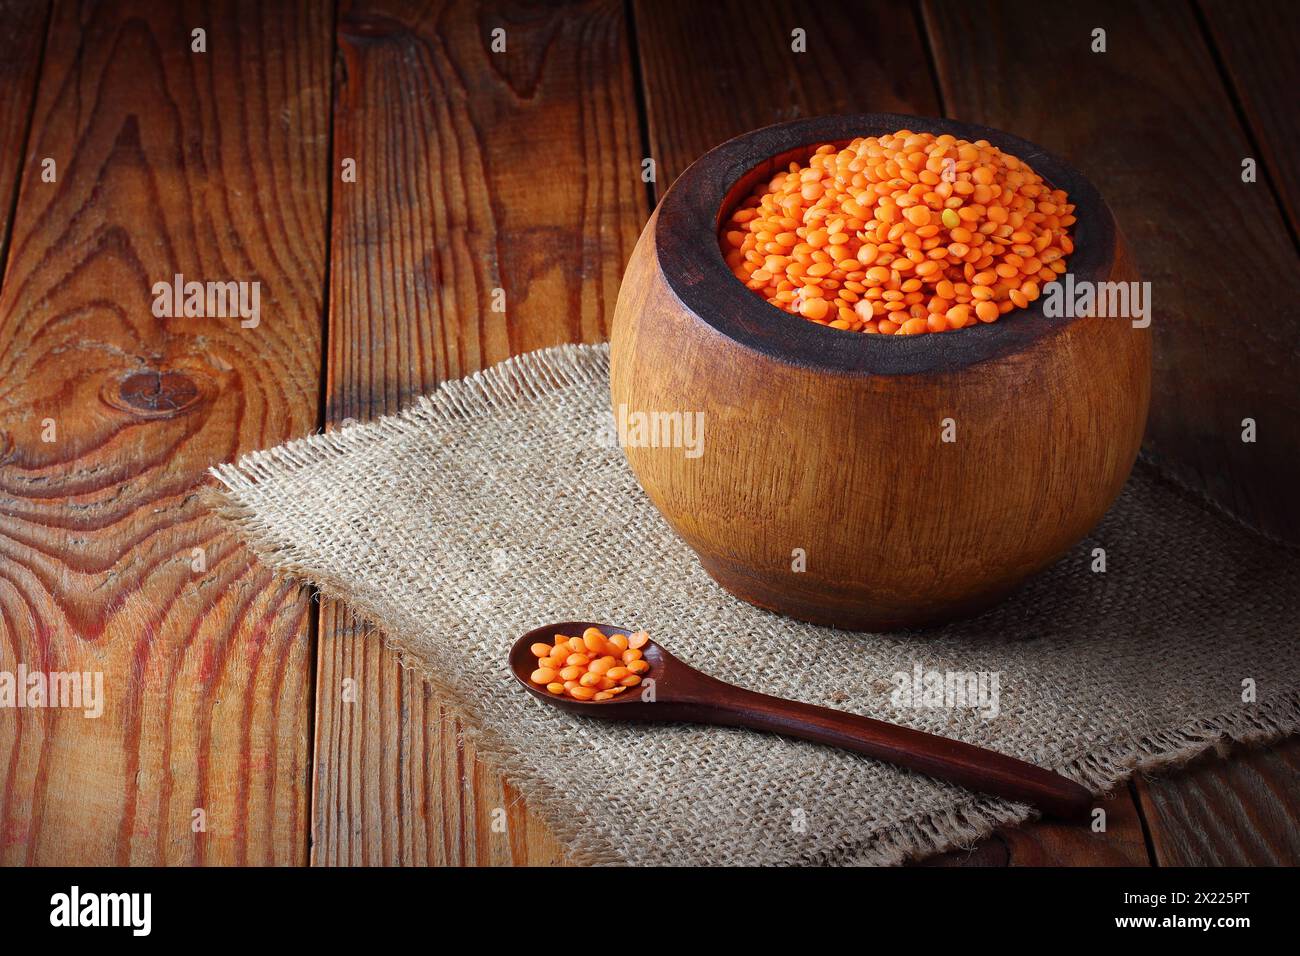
1157 134
1238 810
22 42
401 788
713 71
1044 843
1153 131
212 165
477 171
470 180
796 414
1257 46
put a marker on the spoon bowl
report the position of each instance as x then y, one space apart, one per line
674 691
523 662
676 685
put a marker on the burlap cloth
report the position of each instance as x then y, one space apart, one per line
502 502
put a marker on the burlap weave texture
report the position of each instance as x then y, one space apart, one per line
500 503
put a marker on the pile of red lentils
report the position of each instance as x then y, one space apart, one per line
901 234
592 667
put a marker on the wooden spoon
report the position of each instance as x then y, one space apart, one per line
682 693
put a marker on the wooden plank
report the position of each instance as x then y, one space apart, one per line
1062 844
1157 134
713 71
169 161
1257 46
21 44
393 783
1239 810
1170 182
476 171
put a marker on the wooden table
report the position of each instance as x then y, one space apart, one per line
235 694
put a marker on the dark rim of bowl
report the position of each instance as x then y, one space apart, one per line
686 244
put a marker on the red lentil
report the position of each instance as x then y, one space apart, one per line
587 667
901 234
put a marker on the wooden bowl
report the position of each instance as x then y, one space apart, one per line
822 489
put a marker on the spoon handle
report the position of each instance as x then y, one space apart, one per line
975 768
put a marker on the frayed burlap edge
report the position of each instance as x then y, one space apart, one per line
530 377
